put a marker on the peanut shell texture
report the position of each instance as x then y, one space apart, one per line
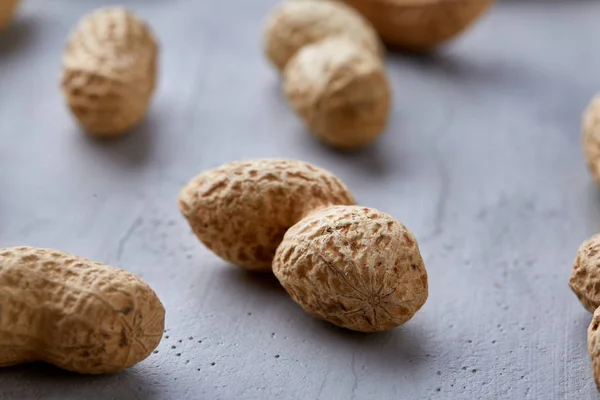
341 92
295 24
109 71
242 209
591 137
585 277
7 11
353 266
420 25
593 344
77 314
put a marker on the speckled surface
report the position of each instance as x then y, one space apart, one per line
482 161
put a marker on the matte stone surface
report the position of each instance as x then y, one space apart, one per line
482 161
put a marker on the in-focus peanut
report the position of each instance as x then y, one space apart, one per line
77 314
353 266
241 210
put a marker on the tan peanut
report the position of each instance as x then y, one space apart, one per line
109 71
591 137
341 92
241 210
593 344
585 277
420 25
77 314
585 283
295 24
353 266
7 10
333 73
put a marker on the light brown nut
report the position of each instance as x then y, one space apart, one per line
593 343
7 10
241 210
355 267
591 137
109 71
77 314
340 91
295 24
420 25
585 278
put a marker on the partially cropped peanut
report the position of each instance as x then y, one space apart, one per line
333 74
353 266
241 210
7 10
590 131
420 25
77 314
585 277
295 24
593 344
585 283
109 71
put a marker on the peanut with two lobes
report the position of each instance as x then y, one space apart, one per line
333 73
76 314
585 278
585 283
353 266
109 71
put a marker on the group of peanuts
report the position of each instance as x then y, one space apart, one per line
585 277
330 54
353 266
332 58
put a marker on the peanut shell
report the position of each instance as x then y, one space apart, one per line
420 25
109 71
585 278
77 314
241 210
340 91
295 24
593 343
354 267
591 137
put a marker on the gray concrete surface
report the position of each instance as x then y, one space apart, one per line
481 160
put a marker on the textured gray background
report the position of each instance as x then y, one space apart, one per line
481 160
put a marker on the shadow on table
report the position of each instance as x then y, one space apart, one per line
507 76
582 323
40 380
16 36
495 71
491 72
591 206
372 160
133 149
402 347
264 282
